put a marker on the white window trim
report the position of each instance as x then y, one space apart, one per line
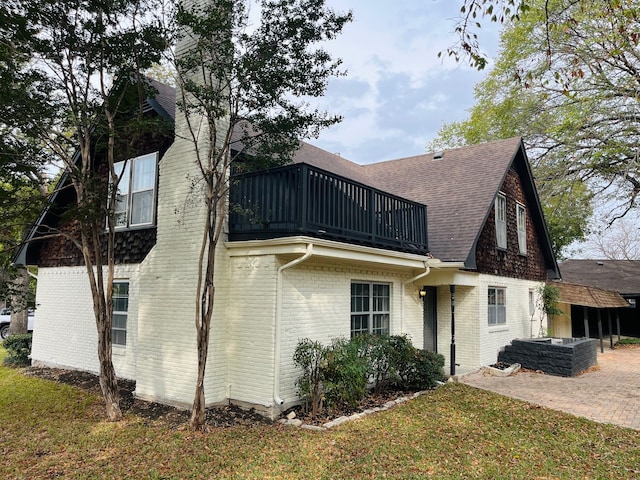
120 312
371 312
522 228
501 223
497 307
129 167
532 303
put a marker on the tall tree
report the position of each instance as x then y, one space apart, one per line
67 100
21 164
581 118
244 90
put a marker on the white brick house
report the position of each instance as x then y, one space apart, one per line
279 280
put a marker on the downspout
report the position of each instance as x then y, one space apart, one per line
427 270
278 322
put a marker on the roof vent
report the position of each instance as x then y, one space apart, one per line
599 263
438 155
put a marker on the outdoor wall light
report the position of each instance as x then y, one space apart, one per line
422 293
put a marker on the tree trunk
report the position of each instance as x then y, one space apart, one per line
197 412
18 298
108 379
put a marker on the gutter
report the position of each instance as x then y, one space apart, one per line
278 322
427 270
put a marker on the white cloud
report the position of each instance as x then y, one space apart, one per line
397 92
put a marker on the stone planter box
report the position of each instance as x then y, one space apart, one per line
565 357
498 372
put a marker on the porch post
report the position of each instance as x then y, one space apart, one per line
610 328
586 322
618 322
600 331
452 290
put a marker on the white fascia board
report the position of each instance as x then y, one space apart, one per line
329 249
451 273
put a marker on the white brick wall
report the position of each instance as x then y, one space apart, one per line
167 357
65 332
317 305
518 325
477 343
250 321
466 325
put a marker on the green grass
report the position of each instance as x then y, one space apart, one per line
50 430
629 341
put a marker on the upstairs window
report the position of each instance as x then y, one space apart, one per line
521 216
501 221
135 201
370 308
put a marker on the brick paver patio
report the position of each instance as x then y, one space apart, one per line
609 393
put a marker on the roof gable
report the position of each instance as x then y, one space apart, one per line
162 104
459 187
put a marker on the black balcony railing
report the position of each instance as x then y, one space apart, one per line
303 200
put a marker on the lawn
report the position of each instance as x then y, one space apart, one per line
50 430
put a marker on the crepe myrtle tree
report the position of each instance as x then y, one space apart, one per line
245 91
77 93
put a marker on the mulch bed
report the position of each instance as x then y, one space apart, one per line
216 417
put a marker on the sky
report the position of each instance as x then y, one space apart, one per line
397 92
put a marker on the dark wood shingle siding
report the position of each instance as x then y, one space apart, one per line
510 263
132 246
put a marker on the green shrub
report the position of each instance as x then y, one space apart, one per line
346 373
337 375
401 354
425 370
311 357
18 350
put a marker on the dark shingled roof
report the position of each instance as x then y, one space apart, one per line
622 276
458 189
165 99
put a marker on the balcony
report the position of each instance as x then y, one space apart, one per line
303 200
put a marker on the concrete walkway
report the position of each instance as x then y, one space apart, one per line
608 394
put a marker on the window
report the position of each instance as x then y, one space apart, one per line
501 220
120 309
135 199
497 306
532 303
632 302
370 306
521 216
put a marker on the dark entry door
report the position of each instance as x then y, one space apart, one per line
430 319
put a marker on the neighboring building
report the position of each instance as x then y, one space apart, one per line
322 248
621 276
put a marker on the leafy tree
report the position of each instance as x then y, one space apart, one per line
20 202
473 13
21 163
580 120
77 65
244 91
